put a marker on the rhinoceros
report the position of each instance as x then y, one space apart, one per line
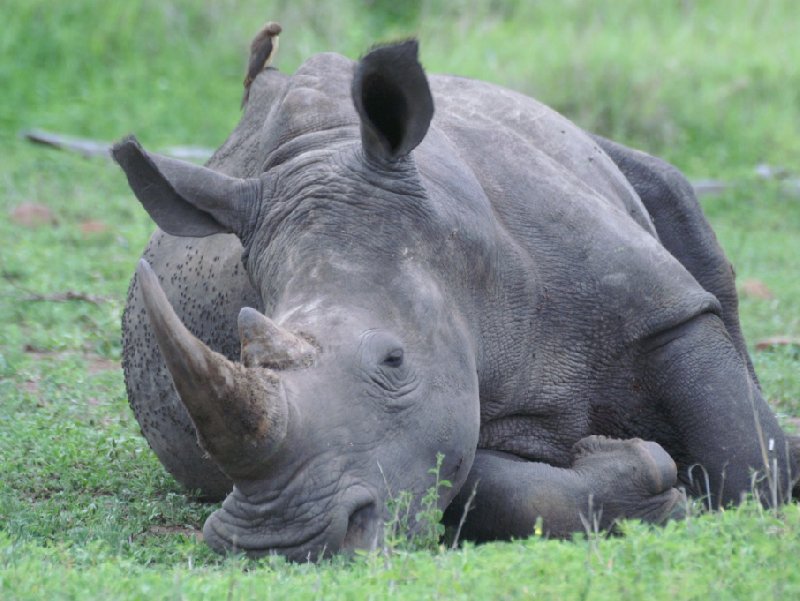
355 284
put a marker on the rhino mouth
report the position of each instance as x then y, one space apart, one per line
356 525
224 539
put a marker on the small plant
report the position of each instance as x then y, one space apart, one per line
429 517
396 528
400 533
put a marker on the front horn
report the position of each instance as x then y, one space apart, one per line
240 414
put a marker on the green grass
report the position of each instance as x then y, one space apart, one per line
739 554
86 511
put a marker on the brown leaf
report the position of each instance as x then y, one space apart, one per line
93 226
756 289
33 214
773 341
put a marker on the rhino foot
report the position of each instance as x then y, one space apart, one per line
609 480
628 479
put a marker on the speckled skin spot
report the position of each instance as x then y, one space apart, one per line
206 284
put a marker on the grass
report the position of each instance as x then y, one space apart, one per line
85 508
738 554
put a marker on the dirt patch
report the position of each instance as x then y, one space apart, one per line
792 425
31 386
93 226
33 214
95 364
755 289
776 341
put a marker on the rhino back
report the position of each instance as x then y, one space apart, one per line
581 275
495 127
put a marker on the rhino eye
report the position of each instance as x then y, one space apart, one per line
393 359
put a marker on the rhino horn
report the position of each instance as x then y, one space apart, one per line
266 344
240 414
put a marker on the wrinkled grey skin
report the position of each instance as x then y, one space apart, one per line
550 311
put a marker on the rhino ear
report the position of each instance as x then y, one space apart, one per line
393 100
186 199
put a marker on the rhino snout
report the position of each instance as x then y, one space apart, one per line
240 526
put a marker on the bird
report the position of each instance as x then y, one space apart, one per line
262 51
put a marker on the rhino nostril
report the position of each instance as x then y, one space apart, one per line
362 528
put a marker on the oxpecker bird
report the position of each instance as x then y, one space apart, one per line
262 51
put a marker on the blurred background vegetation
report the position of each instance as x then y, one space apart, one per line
713 85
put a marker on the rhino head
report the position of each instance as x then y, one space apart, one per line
362 369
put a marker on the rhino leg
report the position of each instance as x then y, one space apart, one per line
716 425
685 232
609 480
683 229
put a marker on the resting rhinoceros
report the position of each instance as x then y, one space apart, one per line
366 284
